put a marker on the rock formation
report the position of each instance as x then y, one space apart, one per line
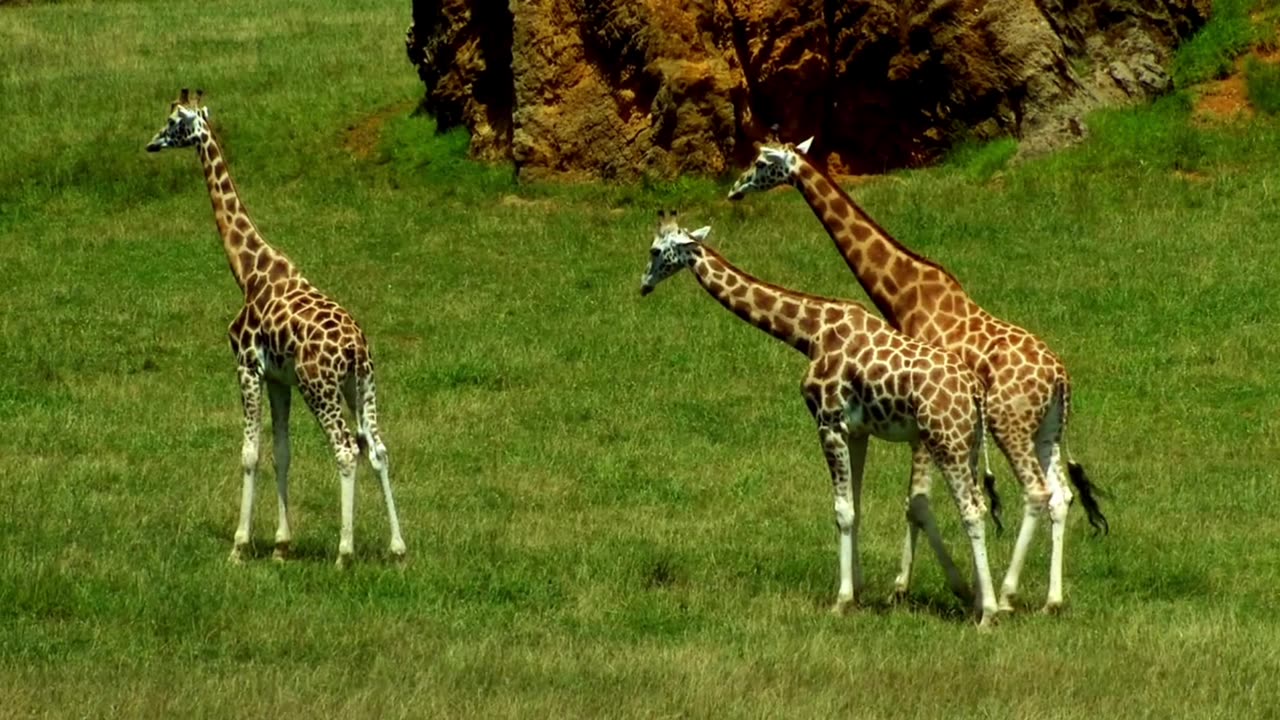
622 88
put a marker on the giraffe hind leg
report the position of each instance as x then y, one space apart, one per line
325 401
281 397
365 409
1020 449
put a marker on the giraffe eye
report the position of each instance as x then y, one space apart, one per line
653 252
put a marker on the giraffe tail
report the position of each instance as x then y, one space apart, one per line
1089 494
989 478
1085 489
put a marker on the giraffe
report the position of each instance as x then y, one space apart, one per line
864 379
1028 399
287 334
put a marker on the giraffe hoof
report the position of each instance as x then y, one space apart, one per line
1006 604
238 554
399 557
842 607
1051 608
898 596
345 561
987 624
281 552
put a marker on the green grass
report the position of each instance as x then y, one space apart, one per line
979 161
1262 81
1233 27
614 506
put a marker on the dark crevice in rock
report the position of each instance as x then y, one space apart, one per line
624 88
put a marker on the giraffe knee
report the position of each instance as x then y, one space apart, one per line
249 455
346 455
378 456
844 514
1037 497
1058 505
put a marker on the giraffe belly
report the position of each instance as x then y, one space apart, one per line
891 429
280 370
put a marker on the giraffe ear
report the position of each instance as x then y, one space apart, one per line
701 233
804 146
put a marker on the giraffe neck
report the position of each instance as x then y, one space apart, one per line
253 262
792 317
888 271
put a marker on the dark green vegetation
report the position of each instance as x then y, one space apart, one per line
1262 81
1233 27
613 506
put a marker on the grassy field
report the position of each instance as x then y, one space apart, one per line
614 507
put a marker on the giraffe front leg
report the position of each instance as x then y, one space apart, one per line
843 456
964 489
281 397
918 484
251 397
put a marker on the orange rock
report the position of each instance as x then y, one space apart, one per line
626 88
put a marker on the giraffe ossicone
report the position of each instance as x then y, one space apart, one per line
287 334
864 379
1028 399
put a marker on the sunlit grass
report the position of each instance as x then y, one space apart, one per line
614 506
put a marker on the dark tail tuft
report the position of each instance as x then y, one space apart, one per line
1089 498
989 483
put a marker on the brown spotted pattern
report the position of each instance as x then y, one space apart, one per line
287 333
864 378
1028 390
1022 375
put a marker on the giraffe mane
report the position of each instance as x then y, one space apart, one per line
821 169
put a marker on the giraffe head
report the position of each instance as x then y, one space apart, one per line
672 251
775 164
187 123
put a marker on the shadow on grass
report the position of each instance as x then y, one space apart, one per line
946 607
307 549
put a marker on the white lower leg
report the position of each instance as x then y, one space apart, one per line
848 551
1059 503
1009 588
283 534
903 581
280 399
1057 528
378 458
347 477
984 600
249 465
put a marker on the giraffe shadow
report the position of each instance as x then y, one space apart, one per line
301 549
944 607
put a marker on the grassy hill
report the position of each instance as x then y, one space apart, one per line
614 506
